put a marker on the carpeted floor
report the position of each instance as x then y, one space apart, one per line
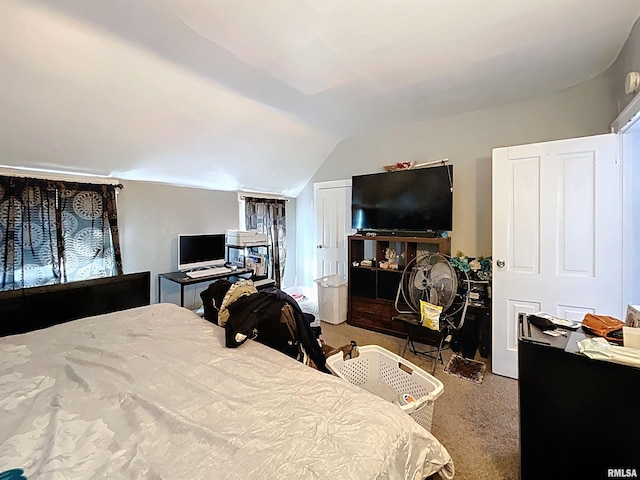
476 422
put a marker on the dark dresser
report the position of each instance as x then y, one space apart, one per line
579 418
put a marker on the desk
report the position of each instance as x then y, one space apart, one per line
181 279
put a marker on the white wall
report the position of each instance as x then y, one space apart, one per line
467 140
150 217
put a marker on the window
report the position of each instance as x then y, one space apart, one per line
267 215
56 232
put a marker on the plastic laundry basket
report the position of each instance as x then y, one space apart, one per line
389 376
332 298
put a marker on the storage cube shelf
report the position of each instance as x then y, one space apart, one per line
372 289
238 255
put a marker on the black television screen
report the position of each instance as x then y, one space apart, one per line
418 199
204 250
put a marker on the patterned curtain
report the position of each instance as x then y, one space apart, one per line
268 216
56 232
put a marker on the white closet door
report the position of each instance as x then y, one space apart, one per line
557 236
333 224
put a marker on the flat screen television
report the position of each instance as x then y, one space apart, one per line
200 250
412 200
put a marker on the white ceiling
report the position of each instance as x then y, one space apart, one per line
254 95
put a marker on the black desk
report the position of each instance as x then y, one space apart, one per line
578 417
181 279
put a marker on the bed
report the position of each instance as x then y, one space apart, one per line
152 392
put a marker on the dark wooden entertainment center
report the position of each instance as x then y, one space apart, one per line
372 289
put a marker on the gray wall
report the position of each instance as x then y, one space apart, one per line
627 61
150 217
467 141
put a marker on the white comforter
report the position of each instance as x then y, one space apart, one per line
152 392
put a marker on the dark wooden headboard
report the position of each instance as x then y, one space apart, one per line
40 307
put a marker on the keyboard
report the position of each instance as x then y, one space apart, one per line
264 283
208 272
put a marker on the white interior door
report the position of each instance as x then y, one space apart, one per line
631 211
557 230
332 202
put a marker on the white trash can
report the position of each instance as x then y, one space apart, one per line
332 298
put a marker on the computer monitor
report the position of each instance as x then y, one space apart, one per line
200 250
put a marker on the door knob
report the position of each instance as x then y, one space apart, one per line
501 263
319 246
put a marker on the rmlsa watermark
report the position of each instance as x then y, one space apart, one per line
622 473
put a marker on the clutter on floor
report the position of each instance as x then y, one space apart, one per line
465 368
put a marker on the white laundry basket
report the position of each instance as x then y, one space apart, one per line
332 298
390 376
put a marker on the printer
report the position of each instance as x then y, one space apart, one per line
246 238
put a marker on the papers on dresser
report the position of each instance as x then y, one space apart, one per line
559 322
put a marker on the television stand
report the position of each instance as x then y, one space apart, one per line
400 233
372 288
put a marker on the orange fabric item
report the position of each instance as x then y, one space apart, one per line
604 326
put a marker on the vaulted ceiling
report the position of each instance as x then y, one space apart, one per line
254 95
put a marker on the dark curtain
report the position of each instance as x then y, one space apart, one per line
268 216
56 232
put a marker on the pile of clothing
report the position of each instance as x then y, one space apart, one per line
271 317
